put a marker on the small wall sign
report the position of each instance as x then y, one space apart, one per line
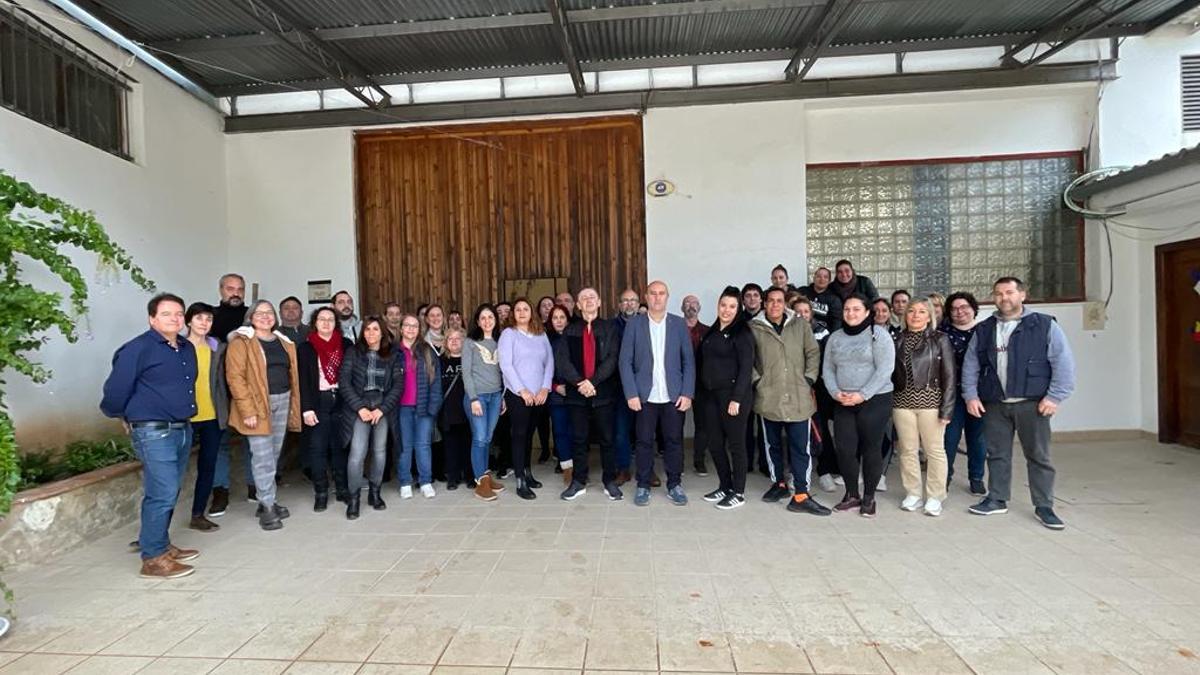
660 188
320 291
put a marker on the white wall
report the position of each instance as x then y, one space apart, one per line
291 209
167 208
738 208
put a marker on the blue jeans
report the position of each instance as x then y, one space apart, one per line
482 428
221 471
560 421
208 435
164 455
798 451
622 430
976 445
416 435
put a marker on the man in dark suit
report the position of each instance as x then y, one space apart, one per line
658 375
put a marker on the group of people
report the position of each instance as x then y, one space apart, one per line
830 371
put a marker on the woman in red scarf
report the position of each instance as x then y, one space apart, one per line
319 358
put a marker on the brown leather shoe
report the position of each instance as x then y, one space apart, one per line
165 567
655 481
483 489
495 484
181 554
203 524
624 476
567 474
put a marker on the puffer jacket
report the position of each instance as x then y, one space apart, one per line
725 362
787 364
246 373
932 366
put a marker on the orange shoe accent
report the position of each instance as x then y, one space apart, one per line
800 496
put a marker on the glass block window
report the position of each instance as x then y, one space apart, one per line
951 225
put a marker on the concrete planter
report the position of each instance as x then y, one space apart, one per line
56 517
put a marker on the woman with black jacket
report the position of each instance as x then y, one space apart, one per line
726 363
371 383
319 359
452 418
926 388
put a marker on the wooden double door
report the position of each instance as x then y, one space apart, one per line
449 214
1177 271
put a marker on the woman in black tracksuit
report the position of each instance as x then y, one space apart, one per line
726 363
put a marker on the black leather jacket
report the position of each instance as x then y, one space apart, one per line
932 365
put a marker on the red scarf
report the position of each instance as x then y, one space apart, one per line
329 354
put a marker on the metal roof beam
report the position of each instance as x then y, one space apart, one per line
1171 14
577 16
562 35
1052 30
1081 32
903 47
330 61
830 23
801 89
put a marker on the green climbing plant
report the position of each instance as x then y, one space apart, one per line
37 228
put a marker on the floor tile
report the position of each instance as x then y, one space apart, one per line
622 650
353 642
280 641
845 655
219 640
171 665
481 647
412 644
550 649
251 667
756 654
111 665
698 651
42 664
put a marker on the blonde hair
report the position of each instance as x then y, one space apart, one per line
929 327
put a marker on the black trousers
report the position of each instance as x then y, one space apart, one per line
827 463
522 419
542 425
587 420
859 432
727 439
664 417
700 442
323 447
502 437
456 439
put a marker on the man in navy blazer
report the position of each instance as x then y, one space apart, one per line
658 374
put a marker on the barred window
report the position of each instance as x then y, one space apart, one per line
51 79
951 225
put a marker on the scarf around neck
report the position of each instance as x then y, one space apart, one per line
329 354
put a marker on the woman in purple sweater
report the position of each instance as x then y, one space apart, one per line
527 363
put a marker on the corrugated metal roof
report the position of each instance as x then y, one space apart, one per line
663 28
1149 169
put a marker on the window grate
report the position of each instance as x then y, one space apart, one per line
53 80
1189 77
951 225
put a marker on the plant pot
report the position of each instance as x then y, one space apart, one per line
4 625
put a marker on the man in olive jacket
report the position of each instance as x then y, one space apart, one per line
787 362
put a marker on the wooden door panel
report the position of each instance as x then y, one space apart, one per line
448 213
1177 269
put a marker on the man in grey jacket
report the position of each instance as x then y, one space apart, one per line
658 375
1017 369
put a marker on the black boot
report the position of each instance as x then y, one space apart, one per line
523 490
530 480
321 501
343 495
374 496
352 504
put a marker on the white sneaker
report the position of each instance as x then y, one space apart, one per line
427 490
405 492
826 482
911 503
882 487
838 480
933 507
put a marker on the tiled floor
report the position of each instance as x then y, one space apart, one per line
453 585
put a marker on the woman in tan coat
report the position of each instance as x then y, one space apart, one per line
260 366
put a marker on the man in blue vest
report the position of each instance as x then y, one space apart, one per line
1017 369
